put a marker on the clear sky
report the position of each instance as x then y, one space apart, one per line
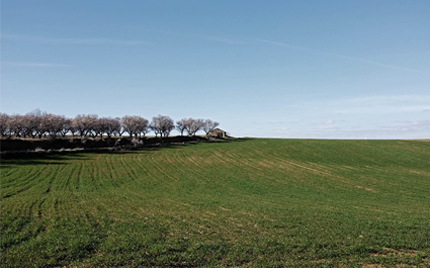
291 69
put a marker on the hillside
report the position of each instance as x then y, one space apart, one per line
245 202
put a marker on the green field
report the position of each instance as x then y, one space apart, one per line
246 202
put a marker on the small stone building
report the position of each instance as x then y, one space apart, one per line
218 133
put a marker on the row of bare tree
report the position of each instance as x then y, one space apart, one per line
39 124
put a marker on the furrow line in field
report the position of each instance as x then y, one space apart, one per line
54 174
314 168
230 162
30 209
19 175
105 167
168 163
37 188
143 168
113 168
125 167
112 175
56 208
237 163
72 170
276 165
125 164
102 178
40 209
130 165
176 168
149 167
110 170
167 158
87 182
329 178
254 167
25 182
80 193
8 223
93 172
69 199
79 174
6 174
160 168
13 193
233 159
230 169
46 190
67 202
195 163
22 231
16 206
98 179
182 159
202 163
58 189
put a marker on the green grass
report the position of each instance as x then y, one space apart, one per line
250 202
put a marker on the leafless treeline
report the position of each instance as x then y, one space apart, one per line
40 124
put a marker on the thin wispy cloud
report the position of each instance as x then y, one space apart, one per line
370 104
380 130
34 64
387 130
224 40
76 41
378 116
339 55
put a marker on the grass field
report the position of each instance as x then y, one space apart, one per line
248 202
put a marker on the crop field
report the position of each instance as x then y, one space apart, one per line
245 202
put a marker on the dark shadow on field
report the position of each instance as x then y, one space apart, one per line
34 158
60 157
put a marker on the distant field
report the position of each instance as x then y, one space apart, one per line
248 202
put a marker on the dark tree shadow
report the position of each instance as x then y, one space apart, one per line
61 157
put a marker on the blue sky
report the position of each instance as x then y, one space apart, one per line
290 69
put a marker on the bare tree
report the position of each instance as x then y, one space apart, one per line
17 125
102 126
128 124
33 121
110 125
155 126
66 127
4 125
162 125
209 125
55 124
42 125
78 125
84 124
193 126
135 125
142 126
27 125
181 126
115 126
94 127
